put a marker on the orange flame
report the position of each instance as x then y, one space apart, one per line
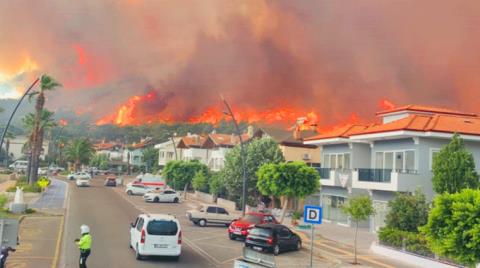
386 104
63 122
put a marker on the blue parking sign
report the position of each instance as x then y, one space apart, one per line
312 214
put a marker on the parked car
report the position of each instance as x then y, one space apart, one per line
54 168
156 235
79 175
273 238
19 166
241 227
83 181
43 171
210 214
137 189
161 196
111 181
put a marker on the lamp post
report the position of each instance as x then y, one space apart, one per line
15 110
242 152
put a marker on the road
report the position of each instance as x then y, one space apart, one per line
108 214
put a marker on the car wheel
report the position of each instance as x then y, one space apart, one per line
138 256
202 223
299 245
129 192
175 200
156 200
276 250
231 236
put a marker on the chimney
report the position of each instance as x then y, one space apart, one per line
250 131
197 139
297 135
232 139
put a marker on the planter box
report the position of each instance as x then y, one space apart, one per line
407 257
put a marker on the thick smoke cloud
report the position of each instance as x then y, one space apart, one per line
332 57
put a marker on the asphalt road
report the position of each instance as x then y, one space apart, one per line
108 214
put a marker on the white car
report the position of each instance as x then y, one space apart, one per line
79 175
162 196
137 189
42 171
156 235
83 182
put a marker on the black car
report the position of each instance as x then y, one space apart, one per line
273 238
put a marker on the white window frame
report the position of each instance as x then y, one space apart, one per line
432 150
415 160
335 155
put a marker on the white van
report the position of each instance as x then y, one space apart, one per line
156 235
19 165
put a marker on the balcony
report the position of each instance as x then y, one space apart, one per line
385 179
335 177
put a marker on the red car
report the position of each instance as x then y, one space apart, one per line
241 227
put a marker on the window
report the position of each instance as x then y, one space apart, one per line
433 152
333 161
263 232
169 192
222 211
284 233
140 224
326 160
401 161
346 161
252 218
268 219
162 227
162 154
339 161
169 155
211 210
410 160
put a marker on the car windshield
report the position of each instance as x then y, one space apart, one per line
265 232
162 227
252 218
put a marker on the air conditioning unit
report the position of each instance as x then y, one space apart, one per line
306 157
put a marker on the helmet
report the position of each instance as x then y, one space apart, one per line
84 229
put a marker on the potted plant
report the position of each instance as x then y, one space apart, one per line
296 215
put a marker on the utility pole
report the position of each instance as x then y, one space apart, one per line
243 156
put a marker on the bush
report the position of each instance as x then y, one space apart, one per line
414 242
3 200
27 188
200 182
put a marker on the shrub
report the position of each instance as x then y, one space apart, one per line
414 242
3 200
296 215
200 182
27 188
391 237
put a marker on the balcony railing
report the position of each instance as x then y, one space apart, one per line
374 175
324 172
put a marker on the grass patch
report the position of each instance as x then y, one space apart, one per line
27 188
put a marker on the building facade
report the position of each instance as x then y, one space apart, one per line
393 156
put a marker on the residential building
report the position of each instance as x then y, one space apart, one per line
113 150
291 144
133 153
388 157
168 151
192 146
16 147
217 146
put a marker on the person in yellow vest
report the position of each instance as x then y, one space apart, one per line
84 244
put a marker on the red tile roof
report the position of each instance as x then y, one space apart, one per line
425 123
425 109
341 132
103 146
226 139
193 141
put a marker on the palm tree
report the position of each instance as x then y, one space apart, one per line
46 122
79 152
46 83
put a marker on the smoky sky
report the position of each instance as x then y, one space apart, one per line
331 57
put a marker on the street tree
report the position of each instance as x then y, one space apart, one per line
80 151
46 123
407 212
200 182
46 83
454 168
216 185
359 208
258 152
180 174
453 227
100 161
150 158
288 180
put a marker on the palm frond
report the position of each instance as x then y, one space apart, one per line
48 83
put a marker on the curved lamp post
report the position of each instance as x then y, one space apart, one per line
242 149
15 110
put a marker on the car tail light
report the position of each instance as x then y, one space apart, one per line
180 237
270 241
142 237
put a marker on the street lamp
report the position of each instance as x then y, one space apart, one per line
242 152
15 110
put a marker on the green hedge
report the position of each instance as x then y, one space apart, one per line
414 242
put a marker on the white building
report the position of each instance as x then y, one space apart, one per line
192 146
16 147
133 153
168 151
114 151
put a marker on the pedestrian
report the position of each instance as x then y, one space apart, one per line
4 254
84 244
